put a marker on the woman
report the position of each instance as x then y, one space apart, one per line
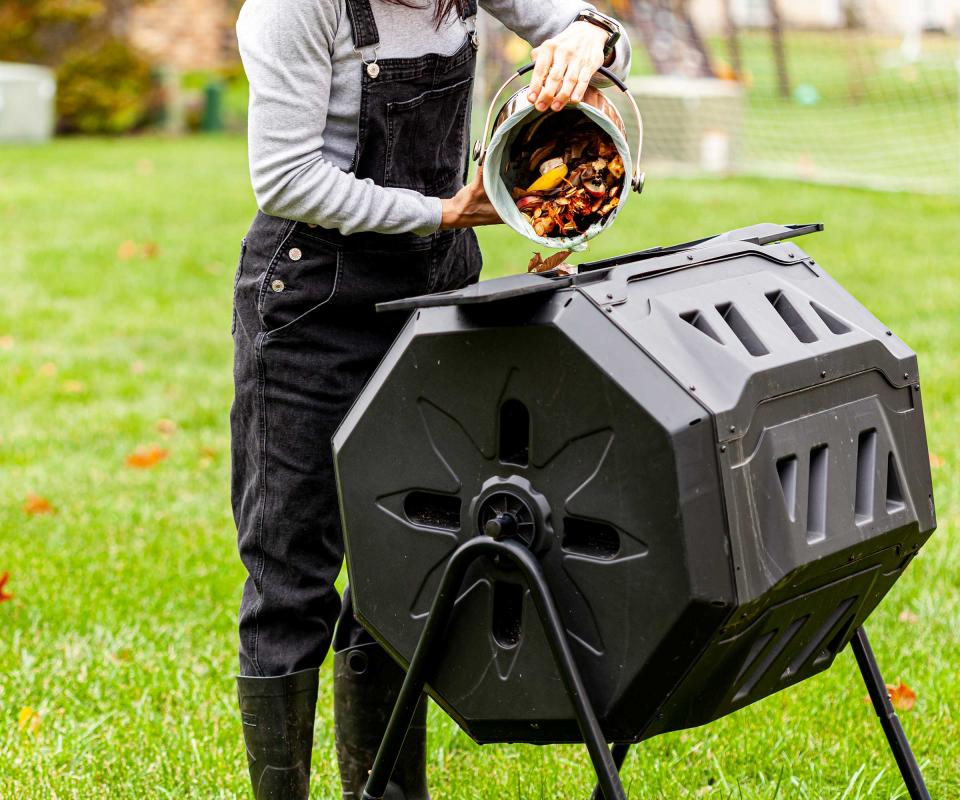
359 122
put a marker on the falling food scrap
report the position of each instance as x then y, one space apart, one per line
539 264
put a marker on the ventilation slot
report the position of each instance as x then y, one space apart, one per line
699 322
838 642
589 538
742 330
894 492
767 662
792 317
866 470
433 510
835 324
507 613
514 433
787 471
817 640
817 496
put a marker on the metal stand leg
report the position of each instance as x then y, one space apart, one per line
619 753
909 768
429 650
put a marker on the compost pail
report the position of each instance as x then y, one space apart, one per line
515 117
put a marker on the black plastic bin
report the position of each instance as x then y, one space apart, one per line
713 452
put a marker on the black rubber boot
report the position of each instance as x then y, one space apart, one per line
278 716
366 682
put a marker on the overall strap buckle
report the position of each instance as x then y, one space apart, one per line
368 55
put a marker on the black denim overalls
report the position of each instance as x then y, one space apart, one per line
306 339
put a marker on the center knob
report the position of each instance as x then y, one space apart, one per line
502 526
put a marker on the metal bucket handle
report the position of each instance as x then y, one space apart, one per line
480 148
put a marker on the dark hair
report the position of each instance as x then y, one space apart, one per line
441 7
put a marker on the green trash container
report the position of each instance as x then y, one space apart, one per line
212 120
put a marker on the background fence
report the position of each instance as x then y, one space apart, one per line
862 93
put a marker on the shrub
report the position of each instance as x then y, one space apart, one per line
108 89
104 87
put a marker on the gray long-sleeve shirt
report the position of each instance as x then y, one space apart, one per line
305 102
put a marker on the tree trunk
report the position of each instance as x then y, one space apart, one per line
733 40
779 51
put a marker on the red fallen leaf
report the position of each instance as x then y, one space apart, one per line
127 250
166 426
902 696
4 594
145 457
36 505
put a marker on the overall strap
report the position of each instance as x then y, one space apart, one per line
366 37
468 13
365 33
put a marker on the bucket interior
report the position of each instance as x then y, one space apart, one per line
506 174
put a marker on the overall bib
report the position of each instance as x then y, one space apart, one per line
306 339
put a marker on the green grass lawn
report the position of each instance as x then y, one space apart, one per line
120 635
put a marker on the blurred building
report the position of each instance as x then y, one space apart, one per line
185 34
889 16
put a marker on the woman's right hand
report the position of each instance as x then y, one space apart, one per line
470 207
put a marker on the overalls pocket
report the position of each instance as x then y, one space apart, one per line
426 138
303 276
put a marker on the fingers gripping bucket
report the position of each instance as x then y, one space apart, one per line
515 118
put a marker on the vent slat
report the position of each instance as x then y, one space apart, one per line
817 495
866 471
741 329
791 317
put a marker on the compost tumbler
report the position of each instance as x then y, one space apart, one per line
704 467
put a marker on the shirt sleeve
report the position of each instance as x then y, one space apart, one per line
286 51
538 20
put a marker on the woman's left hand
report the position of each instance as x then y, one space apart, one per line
564 65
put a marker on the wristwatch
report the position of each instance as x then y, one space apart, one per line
610 25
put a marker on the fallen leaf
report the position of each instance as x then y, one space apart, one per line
127 250
146 456
36 505
166 426
209 452
29 720
902 696
150 250
6 343
4 594
937 462
138 367
123 655
48 370
74 387
908 616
